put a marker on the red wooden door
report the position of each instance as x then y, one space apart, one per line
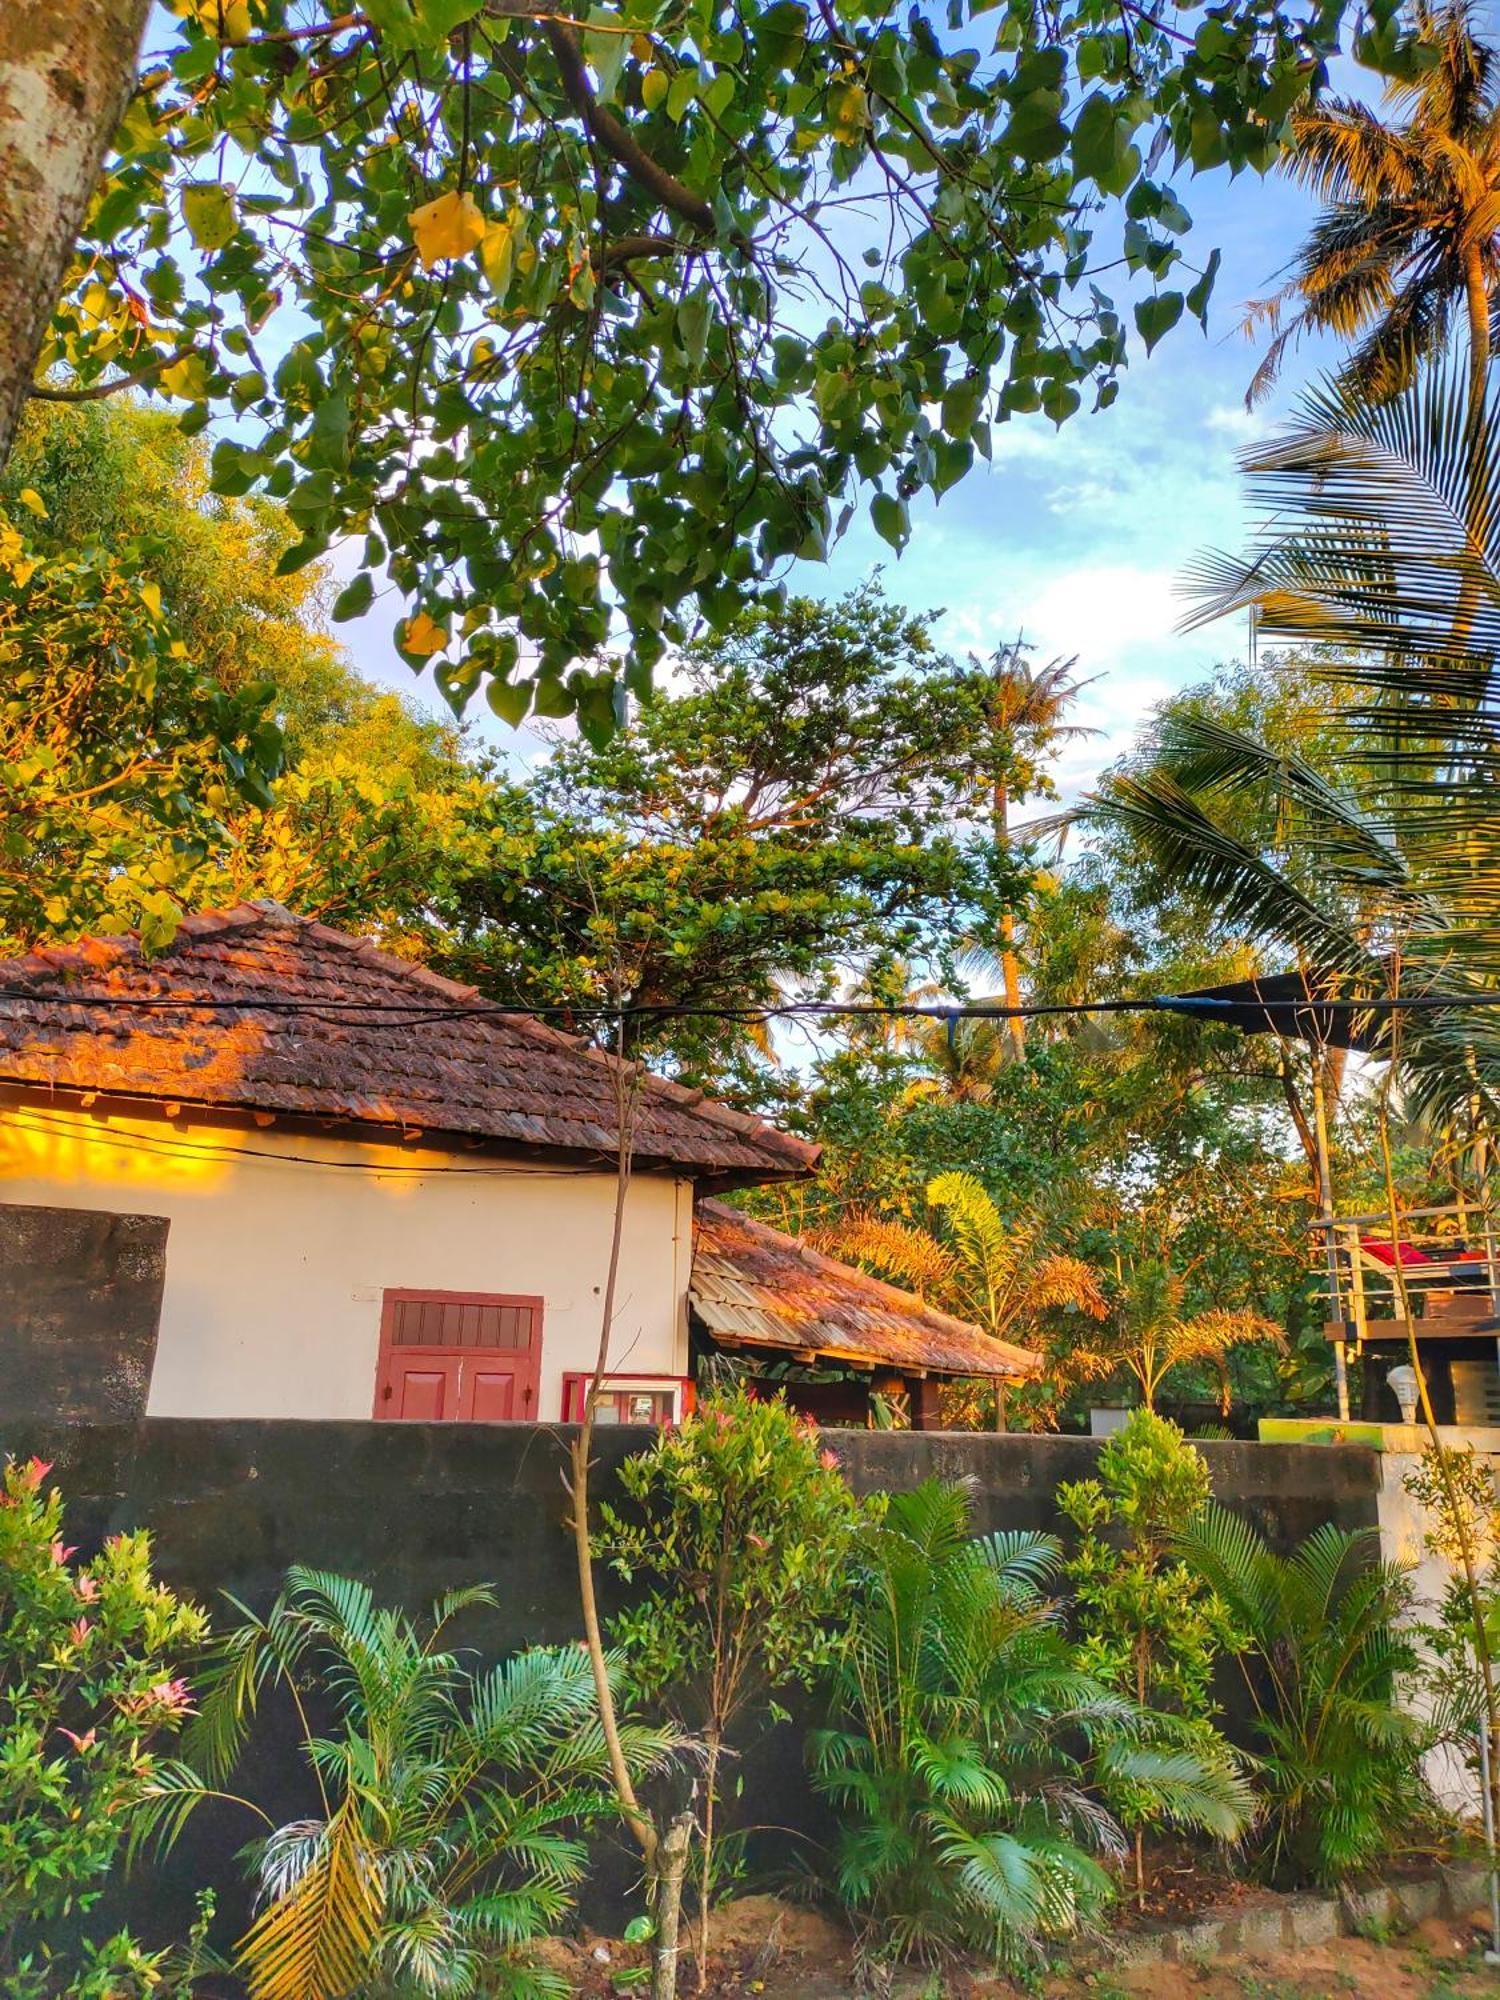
464 1357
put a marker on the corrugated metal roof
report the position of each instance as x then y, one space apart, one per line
753 1286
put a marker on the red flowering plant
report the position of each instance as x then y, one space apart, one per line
738 1538
88 1685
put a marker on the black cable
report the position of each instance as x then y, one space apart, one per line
395 1013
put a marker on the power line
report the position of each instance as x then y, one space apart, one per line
380 1013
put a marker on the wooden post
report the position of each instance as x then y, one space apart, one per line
925 1394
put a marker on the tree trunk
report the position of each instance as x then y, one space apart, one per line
67 68
671 1871
1476 521
1010 972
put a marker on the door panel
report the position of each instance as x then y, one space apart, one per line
423 1393
491 1395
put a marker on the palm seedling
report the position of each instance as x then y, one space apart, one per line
966 1752
449 1804
1340 1760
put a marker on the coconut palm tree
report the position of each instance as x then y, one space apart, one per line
1025 709
1408 241
1388 864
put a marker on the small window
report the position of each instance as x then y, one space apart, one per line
626 1400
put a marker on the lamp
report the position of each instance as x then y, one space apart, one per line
1403 1385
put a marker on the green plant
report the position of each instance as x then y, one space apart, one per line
741 1528
1149 1626
966 1747
1325 1655
445 1835
88 1685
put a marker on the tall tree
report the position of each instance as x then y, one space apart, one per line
177 728
67 69
569 322
1026 709
1409 238
789 815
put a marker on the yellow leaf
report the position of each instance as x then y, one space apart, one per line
187 378
228 19
29 497
451 226
423 635
151 598
654 87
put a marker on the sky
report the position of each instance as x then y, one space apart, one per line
1076 539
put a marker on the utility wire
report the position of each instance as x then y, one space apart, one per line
395 1013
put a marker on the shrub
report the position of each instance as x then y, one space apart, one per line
443 1837
967 1748
1149 1626
1325 1656
742 1527
89 1654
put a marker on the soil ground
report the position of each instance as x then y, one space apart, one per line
765 1949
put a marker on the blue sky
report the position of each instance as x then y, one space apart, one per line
1076 538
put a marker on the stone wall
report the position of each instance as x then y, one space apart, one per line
416 1509
80 1304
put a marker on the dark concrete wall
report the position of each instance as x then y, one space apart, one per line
80 1303
418 1508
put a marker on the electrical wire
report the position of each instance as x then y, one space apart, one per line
396 1013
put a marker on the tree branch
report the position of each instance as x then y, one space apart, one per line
621 145
97 391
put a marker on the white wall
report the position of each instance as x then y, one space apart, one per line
1403 1538
280 1247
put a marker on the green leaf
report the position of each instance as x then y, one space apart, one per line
892 522
1156 316
510 700
211 215
354 600
1198 297
694 315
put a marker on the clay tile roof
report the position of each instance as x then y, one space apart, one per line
754 1287
352 1047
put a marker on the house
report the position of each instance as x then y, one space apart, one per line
780 1305
374 1194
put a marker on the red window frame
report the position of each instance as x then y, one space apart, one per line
455 1354
681 1388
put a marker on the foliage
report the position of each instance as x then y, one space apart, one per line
373 808
1148 1626
1365 550
118 756
966 1746
656 291
1326 1654
1460 1510
789 814
446 1833
740 1529
88 1689
1150 1333
989 1270
1405 245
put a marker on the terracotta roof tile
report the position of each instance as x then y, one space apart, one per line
755 1287
71 1017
